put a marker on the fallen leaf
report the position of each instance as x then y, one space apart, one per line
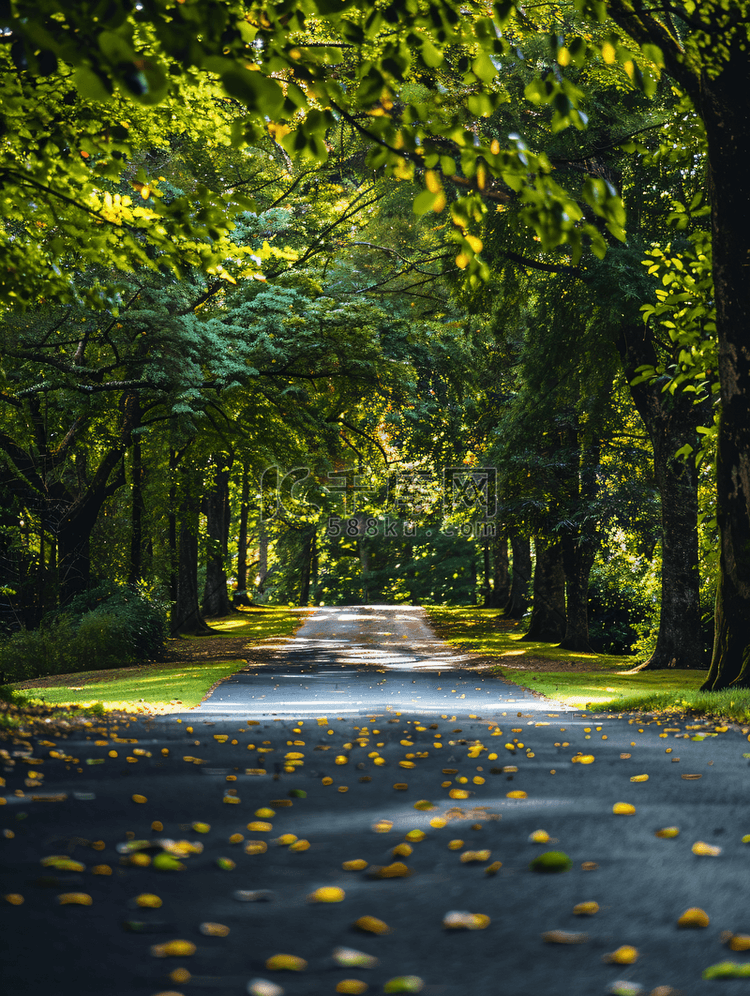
148 900
351 958
327 894
214 929
404 984
551 861
727 970
709 850
469 856
539 837
173 949
667 832
371 925
285 963
357 864
563 937
262 987
693 917
586 909
624 955
74 899
623 809
395 870
463 920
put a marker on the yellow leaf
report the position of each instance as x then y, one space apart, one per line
624 955
74 899
285 962
700 847
623 809
148 900
327 894
693 917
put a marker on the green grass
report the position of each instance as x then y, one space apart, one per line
139 689
259 623
475 630
605 690
165 687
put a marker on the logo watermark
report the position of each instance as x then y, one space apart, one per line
462 496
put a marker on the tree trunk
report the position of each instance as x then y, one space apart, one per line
671 421
172 527
547 623
186 616
578 559
262 555
215 596
308 553
521 577
242 597
728 130
486 583
135 569
501 571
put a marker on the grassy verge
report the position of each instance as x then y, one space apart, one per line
260 623
606 689
157 688
150 688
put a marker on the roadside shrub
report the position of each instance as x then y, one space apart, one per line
109 626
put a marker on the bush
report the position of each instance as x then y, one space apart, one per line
108 626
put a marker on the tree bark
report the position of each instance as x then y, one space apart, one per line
486 575
547 624
242 597
501 571
186 615
308 556
727 122
215 595
578 559
671 421
135 568
520 577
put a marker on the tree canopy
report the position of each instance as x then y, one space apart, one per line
384 238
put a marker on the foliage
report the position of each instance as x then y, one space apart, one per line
108 626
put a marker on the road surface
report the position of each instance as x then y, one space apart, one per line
364 719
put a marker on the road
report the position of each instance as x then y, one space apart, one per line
383 717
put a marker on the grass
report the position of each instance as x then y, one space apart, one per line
259 623
607 689
149 688
475 629
162 688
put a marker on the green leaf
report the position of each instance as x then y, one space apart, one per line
256 91
89 85
423 202
483 68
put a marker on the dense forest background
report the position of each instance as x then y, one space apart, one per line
325 305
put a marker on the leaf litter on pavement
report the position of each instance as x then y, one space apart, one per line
146 858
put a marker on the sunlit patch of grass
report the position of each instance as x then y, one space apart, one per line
258 623
728 704
607 691
137 689
613 687
483 632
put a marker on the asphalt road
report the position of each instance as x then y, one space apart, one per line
383 717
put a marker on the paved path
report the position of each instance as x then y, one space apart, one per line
360 768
